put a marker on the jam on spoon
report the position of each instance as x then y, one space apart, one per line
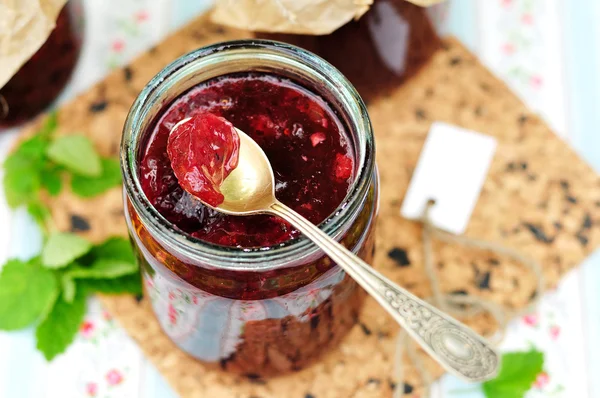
204 150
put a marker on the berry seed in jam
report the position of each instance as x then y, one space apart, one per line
203 151
298 131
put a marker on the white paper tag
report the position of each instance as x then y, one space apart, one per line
451 170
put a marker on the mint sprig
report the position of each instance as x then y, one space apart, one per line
41 163
50 290
518 373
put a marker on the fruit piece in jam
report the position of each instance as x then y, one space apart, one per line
203 151
304 140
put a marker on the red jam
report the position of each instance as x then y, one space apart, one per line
203 150
285 310
304 141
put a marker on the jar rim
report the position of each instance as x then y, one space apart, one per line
234 258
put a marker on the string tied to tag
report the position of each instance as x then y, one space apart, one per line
460 306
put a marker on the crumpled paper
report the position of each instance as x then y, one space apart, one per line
309 17
425 3
24 26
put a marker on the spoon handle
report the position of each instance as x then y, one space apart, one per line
455 346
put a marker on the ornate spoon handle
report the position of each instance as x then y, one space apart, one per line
455 346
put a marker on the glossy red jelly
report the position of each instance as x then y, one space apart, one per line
304 141
203 151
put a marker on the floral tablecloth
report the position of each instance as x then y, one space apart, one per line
542 48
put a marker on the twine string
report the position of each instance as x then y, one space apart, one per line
459 306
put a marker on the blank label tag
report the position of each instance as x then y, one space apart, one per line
451 170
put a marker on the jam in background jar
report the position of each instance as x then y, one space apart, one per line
42 78
250 295
380 50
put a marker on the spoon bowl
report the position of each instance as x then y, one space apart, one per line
250 187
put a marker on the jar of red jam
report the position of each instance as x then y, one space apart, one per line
251 295
381 49
42 78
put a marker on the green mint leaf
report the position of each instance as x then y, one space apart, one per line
111 259
32 149
60 327
88 187
22 179
62 249
128 284
517 374
24 167
115 248
27 292
68 288
51 180
77 154
17 161
21 185
104 268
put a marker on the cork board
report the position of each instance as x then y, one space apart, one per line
539 197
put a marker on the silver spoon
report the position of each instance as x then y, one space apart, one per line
250 189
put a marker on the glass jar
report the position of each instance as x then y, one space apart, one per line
258 311
381 49
42 78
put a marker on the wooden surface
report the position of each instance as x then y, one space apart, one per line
539 198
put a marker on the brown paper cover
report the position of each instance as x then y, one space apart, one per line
24 27
309 17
